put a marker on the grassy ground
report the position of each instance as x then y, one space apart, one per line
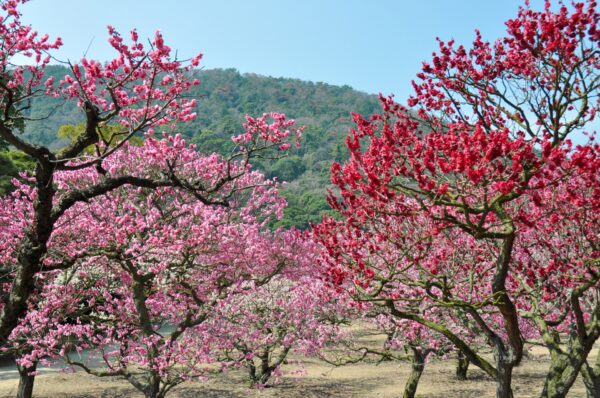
385 380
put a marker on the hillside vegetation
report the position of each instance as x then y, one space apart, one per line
224 97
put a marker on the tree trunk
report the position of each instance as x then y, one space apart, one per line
561 376
506 359
510 354
565 366
265 369
504 380
252 372
462 366
417 366
26 380
563 372
262 374
591 378
557 382
31 249
152 390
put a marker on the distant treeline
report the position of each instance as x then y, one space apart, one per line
224 97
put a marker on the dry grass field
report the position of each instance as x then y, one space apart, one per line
363 380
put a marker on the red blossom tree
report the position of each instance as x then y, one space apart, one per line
463 200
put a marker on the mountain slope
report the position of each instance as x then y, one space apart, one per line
224 97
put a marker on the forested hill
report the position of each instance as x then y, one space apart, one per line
224 97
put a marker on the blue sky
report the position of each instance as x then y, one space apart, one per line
371 45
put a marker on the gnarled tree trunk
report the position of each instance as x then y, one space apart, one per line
565 366
462 366
591 378
570 359
32 248
417 366
265 370
152 389
26 380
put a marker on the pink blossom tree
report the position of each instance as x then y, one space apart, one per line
293 313
150 265
144 88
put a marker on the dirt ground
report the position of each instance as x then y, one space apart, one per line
385 380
